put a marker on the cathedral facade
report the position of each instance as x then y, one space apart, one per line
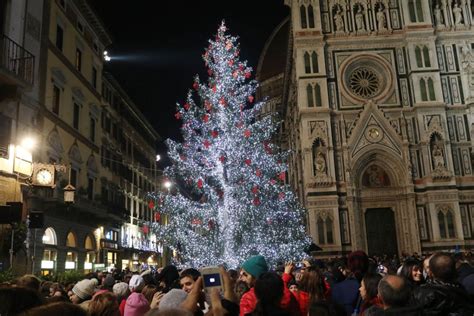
377 99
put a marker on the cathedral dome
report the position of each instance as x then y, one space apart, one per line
274 55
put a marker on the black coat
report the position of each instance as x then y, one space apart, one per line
438 298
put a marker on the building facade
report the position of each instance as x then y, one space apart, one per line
128 155
20 41
377 101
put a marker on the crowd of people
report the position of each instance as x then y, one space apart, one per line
438 284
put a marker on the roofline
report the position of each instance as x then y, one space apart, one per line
139 115
93 18
267 45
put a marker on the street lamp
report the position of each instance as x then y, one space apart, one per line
28 143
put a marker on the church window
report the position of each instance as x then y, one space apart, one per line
321 231
304 23
419 61
466 228
424 96
364 82
307 17
431 90
311 17
426 56
314 61
325 231
309 92
415 8
446 224
313 95
317 93
307 63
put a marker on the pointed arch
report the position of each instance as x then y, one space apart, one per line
317 94
311 16
309 95
71 240
320 225
304 22
54 142
89 243
329 230
314 61
424 95
426 56
419 61
75 153
431 90
49 237
307 63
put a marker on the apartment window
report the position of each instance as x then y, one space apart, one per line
5 134
74 177
80 27
56 99
92 129
78 59
76 114
94 77
59 37
90 188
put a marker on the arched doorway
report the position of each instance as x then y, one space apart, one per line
381 232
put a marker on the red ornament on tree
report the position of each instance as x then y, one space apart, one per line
247 133
182 157
177 115
199 183
248 74
256 201
251 98
255 190
151 205
282 176
281 195
222 159
207 105
210 224
231 62
206 144
157 216
272 181
209 72
214 88
214 133
196 221
186 106
248 162
145 229
235 74
222 102
258 173
195 86
205 118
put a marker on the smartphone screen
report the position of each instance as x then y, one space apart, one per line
212 279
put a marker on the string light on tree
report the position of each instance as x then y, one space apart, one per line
230 200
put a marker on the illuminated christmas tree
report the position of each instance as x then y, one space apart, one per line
229 199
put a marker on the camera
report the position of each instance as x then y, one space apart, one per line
212 278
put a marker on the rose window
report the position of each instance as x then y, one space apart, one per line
364 82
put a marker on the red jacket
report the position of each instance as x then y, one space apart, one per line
248 302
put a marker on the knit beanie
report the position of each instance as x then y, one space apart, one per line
120 289
136 305
255 266
136 283
172 299
84 289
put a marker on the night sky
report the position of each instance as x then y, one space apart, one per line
157 47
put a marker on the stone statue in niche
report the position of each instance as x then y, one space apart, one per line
437 15
381 20
438 157
319 163
359 17
457 11
339 21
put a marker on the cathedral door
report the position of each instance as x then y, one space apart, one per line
381 233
